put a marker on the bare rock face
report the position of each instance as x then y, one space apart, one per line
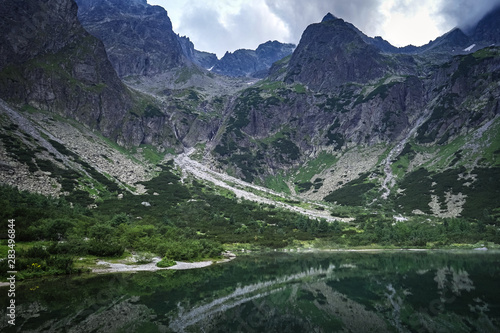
205 60
487 31
332 53
49 61
24 22
138 37
466 78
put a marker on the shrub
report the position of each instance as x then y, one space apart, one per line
63 264
105 249
351 194
74 247
165 262
189 249
101 232
36 251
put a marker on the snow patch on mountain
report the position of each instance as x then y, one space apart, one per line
468 49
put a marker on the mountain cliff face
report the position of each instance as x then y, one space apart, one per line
48 61
59 96
205 60
253 63
487 31
138 37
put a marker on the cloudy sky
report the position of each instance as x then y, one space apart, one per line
218 26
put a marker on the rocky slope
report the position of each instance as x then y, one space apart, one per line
46 154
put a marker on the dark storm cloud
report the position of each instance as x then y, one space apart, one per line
465 13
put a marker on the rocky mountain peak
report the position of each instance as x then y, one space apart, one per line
488 28
273 47
203 59
329 17
332 53
138 37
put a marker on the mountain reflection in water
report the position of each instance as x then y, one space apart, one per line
309 292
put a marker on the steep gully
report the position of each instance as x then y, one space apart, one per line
389 179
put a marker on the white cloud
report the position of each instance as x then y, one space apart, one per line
400 29
226 25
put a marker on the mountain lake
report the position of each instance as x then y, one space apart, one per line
328 291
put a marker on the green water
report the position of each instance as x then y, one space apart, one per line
276 292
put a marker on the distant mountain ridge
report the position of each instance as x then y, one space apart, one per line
485 33
205 60
253 63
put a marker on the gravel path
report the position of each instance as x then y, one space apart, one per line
108 267
238 187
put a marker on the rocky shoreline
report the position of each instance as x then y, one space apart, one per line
107 267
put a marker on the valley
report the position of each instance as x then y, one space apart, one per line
118 137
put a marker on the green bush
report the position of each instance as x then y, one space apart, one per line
189 250
62 264
101 232
353 193
105 249
165 262
35 252
73 247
